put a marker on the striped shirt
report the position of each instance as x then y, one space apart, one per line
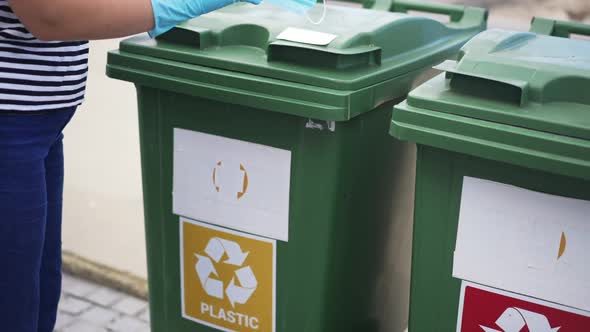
37 75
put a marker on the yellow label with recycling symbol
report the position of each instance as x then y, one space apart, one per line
228 278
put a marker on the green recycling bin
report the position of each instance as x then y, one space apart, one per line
265 156
501 230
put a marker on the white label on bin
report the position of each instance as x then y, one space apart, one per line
307 36
524 242
232 183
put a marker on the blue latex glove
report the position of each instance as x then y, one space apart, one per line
300 7
168 13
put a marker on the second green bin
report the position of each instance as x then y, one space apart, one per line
266 164
501 232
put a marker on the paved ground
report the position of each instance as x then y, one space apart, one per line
87 307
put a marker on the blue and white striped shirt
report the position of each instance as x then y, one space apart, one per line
37 75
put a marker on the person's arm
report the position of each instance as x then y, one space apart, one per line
101 19
84 19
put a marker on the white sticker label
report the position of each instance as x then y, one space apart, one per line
524 242
307 36
232 183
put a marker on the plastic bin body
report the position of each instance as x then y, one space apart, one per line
512 115
228 75
324 272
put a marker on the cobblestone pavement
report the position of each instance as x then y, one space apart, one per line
88 307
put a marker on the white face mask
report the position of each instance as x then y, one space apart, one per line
300 7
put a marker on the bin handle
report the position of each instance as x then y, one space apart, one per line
455 12
558 28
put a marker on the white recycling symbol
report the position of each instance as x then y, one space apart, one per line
246 285
515 319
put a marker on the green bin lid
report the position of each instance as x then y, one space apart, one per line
522 98
356 59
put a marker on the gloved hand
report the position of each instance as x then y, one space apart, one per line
168 13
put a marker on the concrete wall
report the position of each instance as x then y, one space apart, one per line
103 211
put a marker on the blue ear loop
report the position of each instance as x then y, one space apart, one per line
301 7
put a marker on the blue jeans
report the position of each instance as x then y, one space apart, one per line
31 188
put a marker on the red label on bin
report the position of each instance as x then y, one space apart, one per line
484 309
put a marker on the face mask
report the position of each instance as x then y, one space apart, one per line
300 7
